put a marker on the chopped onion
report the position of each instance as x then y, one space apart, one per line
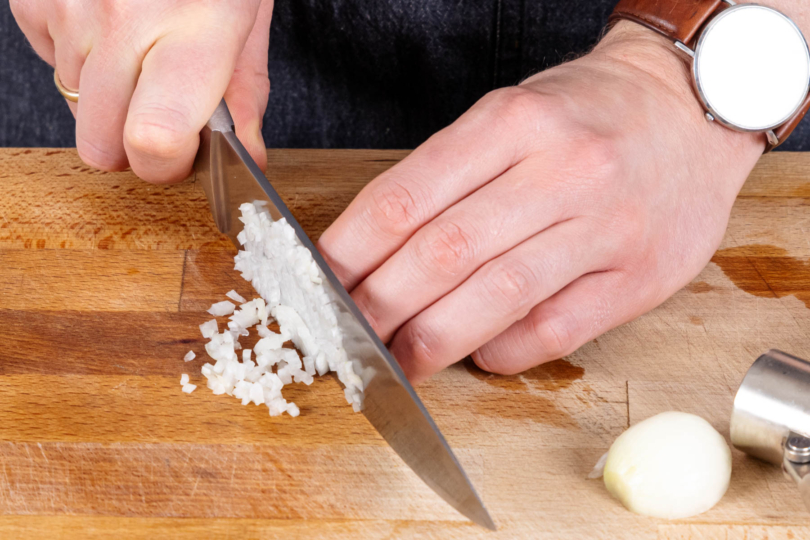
221 347
221 308
189 388
291 288
184 378
209 329
285 274
189 356
673 465
233 295
263 331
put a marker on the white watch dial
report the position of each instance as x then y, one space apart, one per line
752 67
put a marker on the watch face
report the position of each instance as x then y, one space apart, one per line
752 68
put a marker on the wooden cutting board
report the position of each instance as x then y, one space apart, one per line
104 280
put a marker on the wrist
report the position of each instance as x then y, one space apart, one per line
630 46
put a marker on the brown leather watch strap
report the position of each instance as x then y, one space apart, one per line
783 132
677 19
681 20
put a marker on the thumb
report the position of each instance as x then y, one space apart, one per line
249 87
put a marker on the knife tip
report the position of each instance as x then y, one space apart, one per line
479 515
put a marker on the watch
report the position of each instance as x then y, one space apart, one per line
750 63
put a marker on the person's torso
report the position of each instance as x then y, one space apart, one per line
389 73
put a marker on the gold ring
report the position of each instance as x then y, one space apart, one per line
68 94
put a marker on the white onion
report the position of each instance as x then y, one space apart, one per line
189 356
209 329
263 331
249 314
673 465
285 274
221 347
221 309
184 378
189 388
291 288
235 296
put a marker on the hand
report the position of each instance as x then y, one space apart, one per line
151 73
546 215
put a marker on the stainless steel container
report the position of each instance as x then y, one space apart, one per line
771 415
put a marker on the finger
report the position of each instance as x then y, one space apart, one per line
108 79
500 293
35 27
249 87
184 76
583 311
71 51
449 166
446 251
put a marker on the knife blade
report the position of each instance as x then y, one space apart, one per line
230 177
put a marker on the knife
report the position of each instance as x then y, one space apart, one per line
230 177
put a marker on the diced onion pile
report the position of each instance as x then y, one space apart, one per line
289 281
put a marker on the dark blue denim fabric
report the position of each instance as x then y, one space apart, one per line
356 73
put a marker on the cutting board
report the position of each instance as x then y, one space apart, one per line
104 280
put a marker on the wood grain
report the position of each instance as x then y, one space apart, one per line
91 280
52 200
196 480
104 281
732 532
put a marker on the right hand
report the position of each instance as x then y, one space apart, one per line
151 72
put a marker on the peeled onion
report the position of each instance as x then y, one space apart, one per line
673 465
235 296
221 308
286 276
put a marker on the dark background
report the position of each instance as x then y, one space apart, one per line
356 73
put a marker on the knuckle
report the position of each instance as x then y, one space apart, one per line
447 248
516 105
420 345
554 338
488 361
491 364
395 208
508 284
158 132
598 158
366 304
101 157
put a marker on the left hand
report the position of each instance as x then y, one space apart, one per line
546 215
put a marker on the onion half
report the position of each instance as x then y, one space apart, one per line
673 465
